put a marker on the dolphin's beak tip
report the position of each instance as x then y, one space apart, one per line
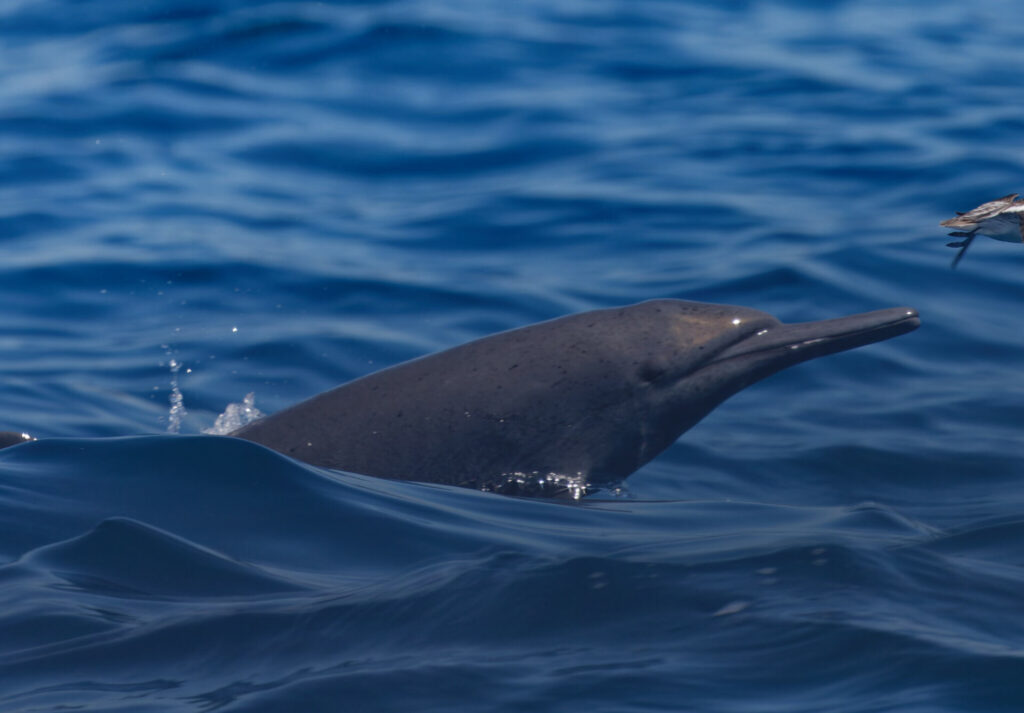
912 316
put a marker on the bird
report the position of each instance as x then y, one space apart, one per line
999 219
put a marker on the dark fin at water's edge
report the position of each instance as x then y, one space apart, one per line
13 438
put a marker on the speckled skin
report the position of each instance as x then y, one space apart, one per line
596 394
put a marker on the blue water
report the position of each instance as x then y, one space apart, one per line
279 197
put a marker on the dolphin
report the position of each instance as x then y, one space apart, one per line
13 438
560 406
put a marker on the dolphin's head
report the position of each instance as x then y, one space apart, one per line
685 358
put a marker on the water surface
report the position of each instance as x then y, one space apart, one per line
279 197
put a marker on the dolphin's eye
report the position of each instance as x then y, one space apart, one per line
650 370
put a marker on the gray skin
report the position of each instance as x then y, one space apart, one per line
595 395
13 438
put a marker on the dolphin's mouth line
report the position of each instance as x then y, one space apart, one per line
859 330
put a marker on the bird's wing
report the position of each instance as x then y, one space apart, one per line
992 208
984 212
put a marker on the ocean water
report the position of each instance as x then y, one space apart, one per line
200 201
